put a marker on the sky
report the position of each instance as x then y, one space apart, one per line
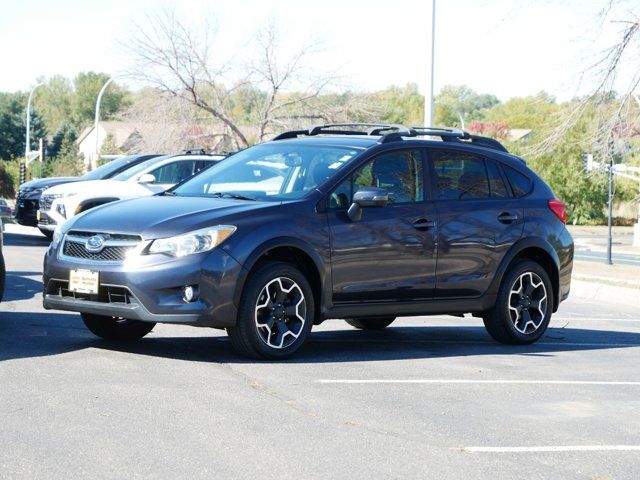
504 47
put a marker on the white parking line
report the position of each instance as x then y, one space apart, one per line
557 448
471 381
470 342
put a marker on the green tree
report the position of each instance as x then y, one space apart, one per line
55 101
68 162
12 125
7 181
525 112
455 101
404 105
87 87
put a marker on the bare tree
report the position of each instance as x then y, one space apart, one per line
614 77
187 64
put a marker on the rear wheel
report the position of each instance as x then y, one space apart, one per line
46 233
370 323
523 308
116 328
276 312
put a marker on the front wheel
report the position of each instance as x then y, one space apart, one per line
523 308
116 328
370 323
275 314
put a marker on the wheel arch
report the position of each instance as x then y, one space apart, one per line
293 251
90 203
539 251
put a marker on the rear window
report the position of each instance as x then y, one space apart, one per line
520 183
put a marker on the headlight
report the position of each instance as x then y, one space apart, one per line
57 236
193 242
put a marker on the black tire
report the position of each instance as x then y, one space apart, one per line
47 233
115 328
2 275
282 317
507 321
370 323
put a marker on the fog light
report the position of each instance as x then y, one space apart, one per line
189 294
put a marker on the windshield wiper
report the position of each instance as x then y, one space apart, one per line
232 195
168 193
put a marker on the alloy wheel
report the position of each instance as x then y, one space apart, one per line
528 302
280 313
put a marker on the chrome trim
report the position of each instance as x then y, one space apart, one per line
138 247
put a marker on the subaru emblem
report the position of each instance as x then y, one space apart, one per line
94 244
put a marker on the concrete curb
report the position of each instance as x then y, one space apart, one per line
615 295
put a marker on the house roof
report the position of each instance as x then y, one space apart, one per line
515 134
120 131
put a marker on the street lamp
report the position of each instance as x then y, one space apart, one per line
27 147
428 94
94 162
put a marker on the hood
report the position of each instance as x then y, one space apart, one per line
43 183
98 187
163 216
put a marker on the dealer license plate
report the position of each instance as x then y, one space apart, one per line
83 281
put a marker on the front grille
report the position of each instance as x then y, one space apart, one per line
106 293
45 202
108 254
115 250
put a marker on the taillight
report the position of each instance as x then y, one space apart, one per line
559 209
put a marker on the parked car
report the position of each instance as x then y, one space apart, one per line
2 267
29 193
5 209
60 203
335 222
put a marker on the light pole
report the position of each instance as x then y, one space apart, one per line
27 147
428 94
94 161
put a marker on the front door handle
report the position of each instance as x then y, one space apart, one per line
424 224
506 217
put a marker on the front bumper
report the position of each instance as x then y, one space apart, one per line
151 289
25 211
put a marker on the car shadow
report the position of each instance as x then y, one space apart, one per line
22 240
29 334
18 286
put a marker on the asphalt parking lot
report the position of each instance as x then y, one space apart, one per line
431 397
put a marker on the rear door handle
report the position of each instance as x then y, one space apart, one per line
506 217
424 224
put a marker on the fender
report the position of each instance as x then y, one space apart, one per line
516 248
259 251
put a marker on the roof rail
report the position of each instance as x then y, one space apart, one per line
395 132
459 135
195 151
342 129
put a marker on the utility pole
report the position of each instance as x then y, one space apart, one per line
27 147
428 94
94 161
610 202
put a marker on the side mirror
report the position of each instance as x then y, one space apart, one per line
367 197
146 179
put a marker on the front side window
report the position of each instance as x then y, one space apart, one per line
399 173
460 176
271 171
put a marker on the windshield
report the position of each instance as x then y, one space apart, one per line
108 169
270 171
133 171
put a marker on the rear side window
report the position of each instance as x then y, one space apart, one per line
496 183
520 183
460 176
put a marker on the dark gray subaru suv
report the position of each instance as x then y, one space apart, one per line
358 222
